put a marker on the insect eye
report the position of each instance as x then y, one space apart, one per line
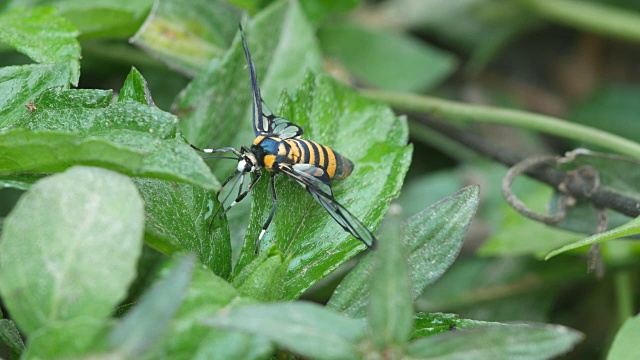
248 165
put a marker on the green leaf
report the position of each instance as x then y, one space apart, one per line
368 54
189 338
498 342
80 127
131 152
433 238
177 220
21 85
428 324
135 88
186 35
628 229
625 345
222 345
301 228
259 279
143 326
390 303
89 112
70 246
304 328
43 36
216 106
68 339
105 18
10 335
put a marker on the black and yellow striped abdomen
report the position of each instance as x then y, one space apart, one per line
271 150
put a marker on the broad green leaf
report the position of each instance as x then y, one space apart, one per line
304 328
112 18
390 302
68 339
374 139
433 239
10 336
43 36
21 85
186 35
70 246
90 112
258 279
215 108
177 220
498 342
189 338
105 18
386 60
131 152
145 324
80 127
625 345
178 215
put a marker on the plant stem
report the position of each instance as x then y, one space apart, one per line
590 16
451 110
624 296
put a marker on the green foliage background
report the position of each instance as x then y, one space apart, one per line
106 250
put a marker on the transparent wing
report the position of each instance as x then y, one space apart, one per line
264 121
318 184
285 129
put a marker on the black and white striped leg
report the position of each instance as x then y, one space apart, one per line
273 211
242 194
221 150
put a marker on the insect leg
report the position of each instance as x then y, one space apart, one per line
221 150
273 211
242 194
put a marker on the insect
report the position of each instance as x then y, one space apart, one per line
278 148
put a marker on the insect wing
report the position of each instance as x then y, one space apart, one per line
260 122
285 129
264 122
317 183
